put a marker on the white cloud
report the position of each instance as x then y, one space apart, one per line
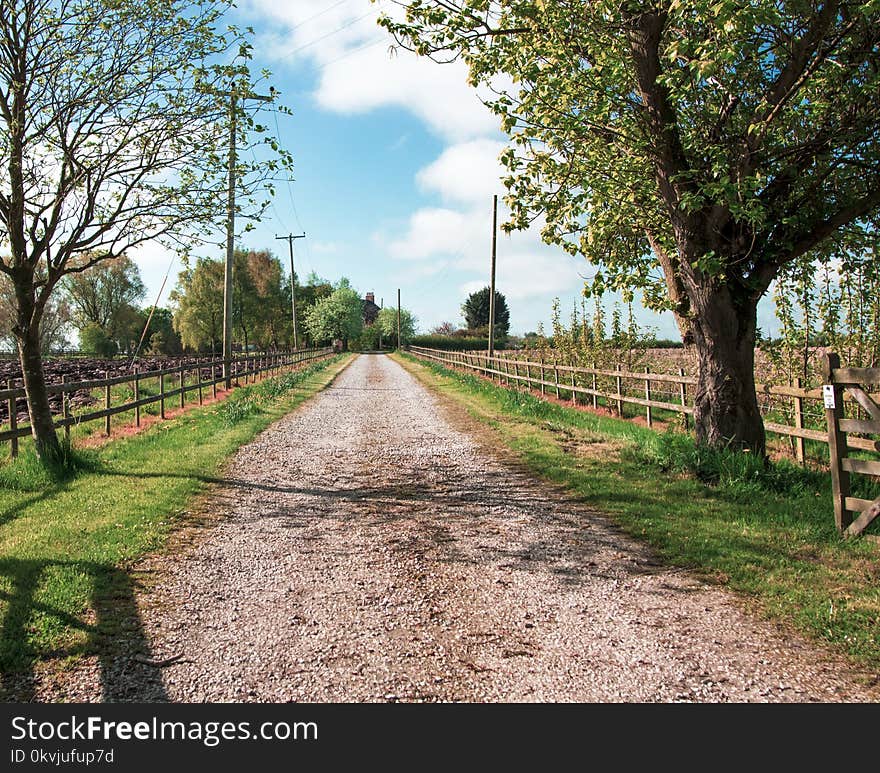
359 72
468 172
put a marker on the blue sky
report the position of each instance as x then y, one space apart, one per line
395 168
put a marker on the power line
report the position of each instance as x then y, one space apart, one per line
331 33
319 13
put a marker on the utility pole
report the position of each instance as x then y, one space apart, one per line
381 306
289 239
230 235
492 278
398 319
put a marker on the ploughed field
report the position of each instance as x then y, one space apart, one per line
82 369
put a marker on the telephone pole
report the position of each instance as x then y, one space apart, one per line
230 234
381 306
398 319
492 278
289 239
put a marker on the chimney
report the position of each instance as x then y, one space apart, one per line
371 297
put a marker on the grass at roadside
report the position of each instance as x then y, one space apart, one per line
765 532
65 543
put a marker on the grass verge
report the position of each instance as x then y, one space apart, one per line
766 532
65 541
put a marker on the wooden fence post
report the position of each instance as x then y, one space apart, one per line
595 384
799 444
213 378
107 404
13 420
648 416
137 398
199 378
840 483
619 392
682 388
543 377
12 407
182 387
162 395
573 393
65 409
556 377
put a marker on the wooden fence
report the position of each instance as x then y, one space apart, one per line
613 389
852 514
173 382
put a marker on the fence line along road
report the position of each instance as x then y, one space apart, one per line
609 388
245 369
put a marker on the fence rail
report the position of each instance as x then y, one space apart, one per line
246 368
574 382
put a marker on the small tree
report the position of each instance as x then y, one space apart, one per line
93 339
387 323
476 312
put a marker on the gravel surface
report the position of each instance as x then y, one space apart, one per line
372 550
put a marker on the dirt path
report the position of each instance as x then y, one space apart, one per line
373 552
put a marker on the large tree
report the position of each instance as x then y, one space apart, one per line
198 305
106 295
114 117
688 148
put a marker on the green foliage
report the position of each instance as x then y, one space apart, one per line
338 316
387 323
450 343
94 340
198 301
107 295
475 311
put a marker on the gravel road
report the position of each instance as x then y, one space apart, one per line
372 549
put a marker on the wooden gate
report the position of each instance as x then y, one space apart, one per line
851 514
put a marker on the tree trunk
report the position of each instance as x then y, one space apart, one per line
45 438
726 411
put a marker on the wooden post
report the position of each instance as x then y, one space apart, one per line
182 387
799 444
682 388
840 483
595 384
162 395
107 404
13 419
556 377
137 398
648 416
573 393
543 377
65 410
199 378
619 392
528 375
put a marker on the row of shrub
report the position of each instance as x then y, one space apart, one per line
452 343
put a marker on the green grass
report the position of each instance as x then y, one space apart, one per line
764 531
66 540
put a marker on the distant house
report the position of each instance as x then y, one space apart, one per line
371 310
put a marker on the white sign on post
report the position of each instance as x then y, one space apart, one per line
828 395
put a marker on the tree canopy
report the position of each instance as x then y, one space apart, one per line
387 323
337 316
687 149
476 312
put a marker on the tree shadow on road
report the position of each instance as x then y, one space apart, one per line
110 628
